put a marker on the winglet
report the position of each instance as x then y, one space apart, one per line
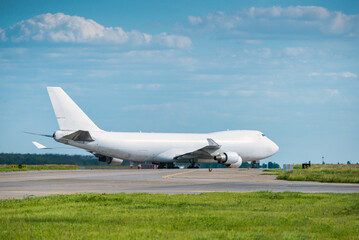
40 146
212 143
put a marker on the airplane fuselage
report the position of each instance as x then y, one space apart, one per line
142 147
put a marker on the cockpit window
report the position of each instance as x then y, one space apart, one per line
263 135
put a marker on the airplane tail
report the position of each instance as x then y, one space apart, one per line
69 116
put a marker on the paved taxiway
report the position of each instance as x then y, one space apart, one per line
39 183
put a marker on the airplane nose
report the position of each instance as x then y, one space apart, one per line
272 148
275 147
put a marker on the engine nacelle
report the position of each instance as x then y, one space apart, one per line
227 158
116 161
231 159
237 164
110 160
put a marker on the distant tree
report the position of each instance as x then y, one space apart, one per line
245 165
38 159
264 165
348 162
323 162
273 165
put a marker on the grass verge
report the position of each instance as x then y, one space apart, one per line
7 168
339 173
108 167
258 215
276 171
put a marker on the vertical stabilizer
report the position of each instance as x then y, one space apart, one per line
69 116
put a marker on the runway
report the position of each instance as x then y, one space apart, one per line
170 181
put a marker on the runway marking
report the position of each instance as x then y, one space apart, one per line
180 173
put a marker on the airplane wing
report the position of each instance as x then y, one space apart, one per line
203 153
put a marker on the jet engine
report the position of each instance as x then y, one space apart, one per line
110 160
230 159
116 161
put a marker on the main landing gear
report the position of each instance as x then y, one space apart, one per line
193 164
170 165
166 165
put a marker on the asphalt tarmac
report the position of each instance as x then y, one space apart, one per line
170 181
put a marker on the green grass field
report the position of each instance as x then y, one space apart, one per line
272 171
339 173
7 168
259 215
108 167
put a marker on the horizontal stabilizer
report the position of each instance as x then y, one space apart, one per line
40 146
80 136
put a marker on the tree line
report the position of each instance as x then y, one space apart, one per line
89 160
39 159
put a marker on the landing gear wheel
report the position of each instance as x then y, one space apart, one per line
161 166
193 165
254 164
167 166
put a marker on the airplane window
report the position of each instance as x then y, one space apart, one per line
263 135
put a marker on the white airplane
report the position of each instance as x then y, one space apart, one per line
229 148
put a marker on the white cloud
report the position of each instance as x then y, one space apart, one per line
245 93
148 107
194 20
348 75
295 51
259 52
332 74
172 41
332 92
2 36
222 93
252 41
61 28
226 93
273 94
153 86
289 12
284 21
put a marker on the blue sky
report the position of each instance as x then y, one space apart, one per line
286 68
